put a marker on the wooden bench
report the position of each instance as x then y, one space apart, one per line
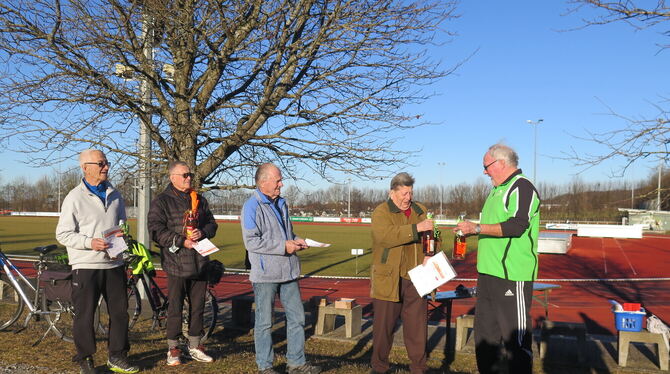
352 320
577 330
627 337
463 323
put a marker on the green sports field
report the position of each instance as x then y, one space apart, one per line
19 235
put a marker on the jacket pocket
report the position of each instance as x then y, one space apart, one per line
385 282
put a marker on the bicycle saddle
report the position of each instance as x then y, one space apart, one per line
46 249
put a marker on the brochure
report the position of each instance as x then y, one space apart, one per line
436 272
205 247
116 243
314 243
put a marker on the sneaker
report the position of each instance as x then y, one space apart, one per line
87 366
268 371
121 365
304 369
173 357
199 354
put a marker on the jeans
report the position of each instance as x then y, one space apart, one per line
289 294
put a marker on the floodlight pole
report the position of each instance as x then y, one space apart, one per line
535 124
441 165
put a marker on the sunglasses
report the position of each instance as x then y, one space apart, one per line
486 167
186 175
102 164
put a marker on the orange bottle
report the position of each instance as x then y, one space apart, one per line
460 245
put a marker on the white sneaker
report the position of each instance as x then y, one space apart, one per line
173 357
199 354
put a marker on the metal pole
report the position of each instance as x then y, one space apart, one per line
145 146
441 165
658 190
535 124
349 203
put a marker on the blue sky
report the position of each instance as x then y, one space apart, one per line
526 65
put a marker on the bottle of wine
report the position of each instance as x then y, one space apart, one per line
460 245
190 223
430 239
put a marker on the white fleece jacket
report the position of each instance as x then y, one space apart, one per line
84 217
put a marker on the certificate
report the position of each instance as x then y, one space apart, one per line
205 247
436 272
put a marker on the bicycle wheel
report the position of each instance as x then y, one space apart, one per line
210 316
11 304
60 317
134 311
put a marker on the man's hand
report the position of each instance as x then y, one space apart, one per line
196 234
424 225
188 243
467 227
99 244
293 246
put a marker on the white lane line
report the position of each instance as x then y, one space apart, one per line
626 256
602 248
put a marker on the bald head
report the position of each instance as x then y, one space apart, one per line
269 180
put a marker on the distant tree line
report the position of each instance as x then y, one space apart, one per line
576 200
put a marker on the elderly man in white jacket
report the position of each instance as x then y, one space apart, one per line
89 209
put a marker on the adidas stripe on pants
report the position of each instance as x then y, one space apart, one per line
502 317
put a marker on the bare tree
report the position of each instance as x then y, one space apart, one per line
313 85
640 137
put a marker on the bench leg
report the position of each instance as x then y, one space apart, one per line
353 323
622 346
662 355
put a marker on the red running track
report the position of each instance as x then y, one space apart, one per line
593 271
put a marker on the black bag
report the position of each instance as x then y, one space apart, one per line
214 271
57 285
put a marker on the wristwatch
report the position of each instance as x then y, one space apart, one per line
478 229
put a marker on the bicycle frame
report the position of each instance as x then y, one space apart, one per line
12 272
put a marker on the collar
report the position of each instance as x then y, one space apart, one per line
266 199
101 187
181 194
394 208
514 174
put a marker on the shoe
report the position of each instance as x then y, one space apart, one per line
304 369
173 357
268 371
121 365
199 354
87 366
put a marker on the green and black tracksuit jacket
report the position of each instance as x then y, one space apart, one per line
515 205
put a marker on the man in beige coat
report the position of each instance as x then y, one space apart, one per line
396 248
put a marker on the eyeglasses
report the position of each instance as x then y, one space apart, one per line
486 167
102 164
186 175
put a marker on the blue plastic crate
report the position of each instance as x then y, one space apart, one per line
629 321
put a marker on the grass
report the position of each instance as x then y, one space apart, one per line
18 235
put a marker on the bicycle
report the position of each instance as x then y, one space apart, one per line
50 296
137 261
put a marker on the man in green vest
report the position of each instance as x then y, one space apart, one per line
507 264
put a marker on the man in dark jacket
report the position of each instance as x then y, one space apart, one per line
183 264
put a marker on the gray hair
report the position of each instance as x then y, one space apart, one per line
174 164
500 151
262 171
84 155
402 179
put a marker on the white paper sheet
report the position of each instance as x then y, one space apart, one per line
205 247
436 272
116 243
314 243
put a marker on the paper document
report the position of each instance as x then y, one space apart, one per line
436 272
205 247
314 243
116 243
